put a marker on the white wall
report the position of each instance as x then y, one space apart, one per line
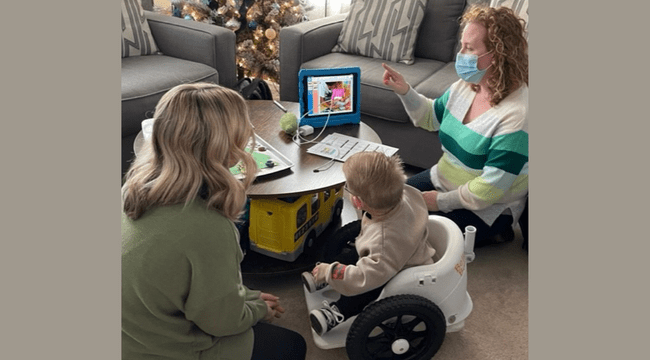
317 8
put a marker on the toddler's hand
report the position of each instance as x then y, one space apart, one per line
320 272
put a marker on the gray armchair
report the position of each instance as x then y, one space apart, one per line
190 52
309 44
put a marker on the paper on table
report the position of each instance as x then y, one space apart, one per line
340 147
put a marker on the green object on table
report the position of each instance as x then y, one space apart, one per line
260 159
289 123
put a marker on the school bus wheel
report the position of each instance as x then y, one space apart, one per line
310 240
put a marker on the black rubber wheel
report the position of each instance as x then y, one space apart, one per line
310 241
309 248
342 240
398 327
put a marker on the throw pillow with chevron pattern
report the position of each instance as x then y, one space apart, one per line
136 35
382 29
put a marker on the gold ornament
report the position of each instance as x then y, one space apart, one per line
270 34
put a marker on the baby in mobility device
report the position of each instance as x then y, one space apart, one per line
392 237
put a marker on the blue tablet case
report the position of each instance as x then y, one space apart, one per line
341 110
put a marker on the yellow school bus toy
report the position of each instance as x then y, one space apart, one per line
283 228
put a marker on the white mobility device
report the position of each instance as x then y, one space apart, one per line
415 309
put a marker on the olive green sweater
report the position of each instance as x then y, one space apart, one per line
182 292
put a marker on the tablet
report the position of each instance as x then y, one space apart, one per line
329 96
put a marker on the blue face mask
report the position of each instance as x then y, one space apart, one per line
466 67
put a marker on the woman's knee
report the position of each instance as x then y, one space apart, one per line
421 181
275 342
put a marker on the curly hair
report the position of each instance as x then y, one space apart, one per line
506 36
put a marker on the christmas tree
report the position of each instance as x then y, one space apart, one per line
256 23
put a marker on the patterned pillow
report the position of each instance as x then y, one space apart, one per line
382 29
136 35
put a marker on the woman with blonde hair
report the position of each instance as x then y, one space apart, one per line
482 121
182 290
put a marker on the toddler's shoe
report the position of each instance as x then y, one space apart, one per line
326 318
310 282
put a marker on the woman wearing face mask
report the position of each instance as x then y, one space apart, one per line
482 121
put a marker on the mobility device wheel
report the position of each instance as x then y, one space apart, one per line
415 309
398 327
342 241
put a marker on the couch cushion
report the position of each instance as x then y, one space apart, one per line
146 78
439 30
136 35
436 85
383 29
377 99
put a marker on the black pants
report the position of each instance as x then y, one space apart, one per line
353 305
273 342
463 217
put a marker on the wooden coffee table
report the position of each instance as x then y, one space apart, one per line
301 178
298 180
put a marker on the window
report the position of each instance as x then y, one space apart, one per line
301 216
315 204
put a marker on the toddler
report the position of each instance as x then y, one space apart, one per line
393 237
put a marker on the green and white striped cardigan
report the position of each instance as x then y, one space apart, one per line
484 166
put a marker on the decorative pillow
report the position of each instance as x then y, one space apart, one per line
520 8
383 29
136 35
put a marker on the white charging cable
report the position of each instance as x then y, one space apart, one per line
299 140
302 140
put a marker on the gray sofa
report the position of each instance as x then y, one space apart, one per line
190 52
308 45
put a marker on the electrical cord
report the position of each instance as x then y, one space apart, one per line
330 163
299 140
303 140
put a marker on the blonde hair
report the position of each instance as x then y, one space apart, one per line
200 130
375 178
506 37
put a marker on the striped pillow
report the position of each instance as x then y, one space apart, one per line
136 35
382 29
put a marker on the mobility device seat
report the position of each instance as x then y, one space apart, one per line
416 307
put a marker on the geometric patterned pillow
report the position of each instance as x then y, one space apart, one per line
382 29
136 35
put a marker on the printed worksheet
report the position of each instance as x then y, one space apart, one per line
340 147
